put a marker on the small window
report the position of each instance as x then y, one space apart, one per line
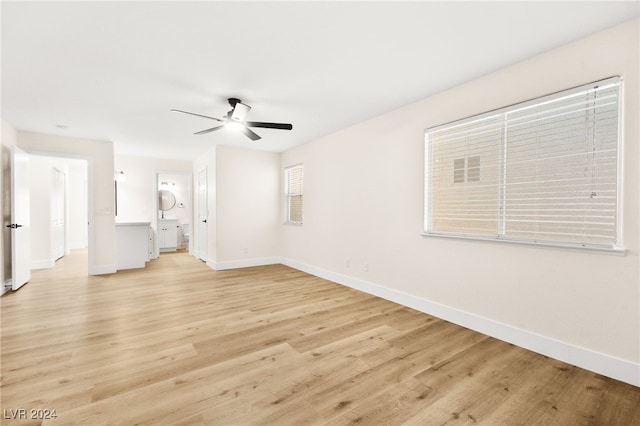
293 189
473 169
458 170
466 169
545 171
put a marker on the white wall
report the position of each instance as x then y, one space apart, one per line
243 205
248 207
99 155
137 196
9 139
77 232
363 202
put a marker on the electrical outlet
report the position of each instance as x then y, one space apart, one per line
246 250
105 211
366 267
347 263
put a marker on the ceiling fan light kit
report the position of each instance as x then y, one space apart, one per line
236 126
234 119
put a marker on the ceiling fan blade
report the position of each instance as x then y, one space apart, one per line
213 129
199 115
281 126
250 134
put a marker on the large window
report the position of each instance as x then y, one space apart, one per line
544 171
293 189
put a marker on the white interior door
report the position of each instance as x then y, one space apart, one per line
20 219
58 213
202 215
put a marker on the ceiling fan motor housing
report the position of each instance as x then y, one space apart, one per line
239 111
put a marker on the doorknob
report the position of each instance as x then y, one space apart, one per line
14 226
204 221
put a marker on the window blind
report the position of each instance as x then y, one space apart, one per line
542 171
294 187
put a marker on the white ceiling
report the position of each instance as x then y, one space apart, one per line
113 70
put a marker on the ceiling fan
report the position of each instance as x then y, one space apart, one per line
235 120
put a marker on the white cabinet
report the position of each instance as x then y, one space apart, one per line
132 243
167 234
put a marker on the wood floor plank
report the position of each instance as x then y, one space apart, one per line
177 343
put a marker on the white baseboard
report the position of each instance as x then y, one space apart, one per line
195 253
42 264
243 263
607 365
5 287
102 269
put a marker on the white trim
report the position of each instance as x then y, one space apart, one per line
620 160
243 263
6 287
597 362
43 264
92 268
102 269
617 251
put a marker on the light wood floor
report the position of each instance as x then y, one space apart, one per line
178 343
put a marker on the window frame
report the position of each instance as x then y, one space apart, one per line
616 248
288 196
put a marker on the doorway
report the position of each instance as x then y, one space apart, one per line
173 206
58 208
43 187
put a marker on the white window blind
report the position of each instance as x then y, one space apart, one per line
544 171
294 187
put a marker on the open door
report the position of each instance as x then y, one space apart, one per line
20 219
58 212
202 215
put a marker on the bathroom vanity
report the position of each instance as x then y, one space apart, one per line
167 234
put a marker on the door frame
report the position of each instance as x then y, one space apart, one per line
91 239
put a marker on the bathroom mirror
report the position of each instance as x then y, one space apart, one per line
166 200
